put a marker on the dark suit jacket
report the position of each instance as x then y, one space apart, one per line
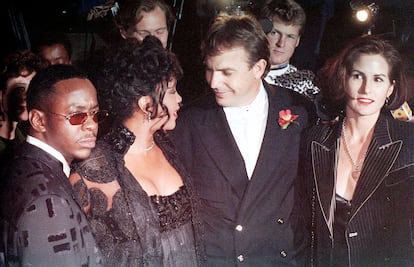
42 223
381 228
249 222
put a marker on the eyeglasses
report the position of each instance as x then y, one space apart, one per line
81 117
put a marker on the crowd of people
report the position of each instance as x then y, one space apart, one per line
281 167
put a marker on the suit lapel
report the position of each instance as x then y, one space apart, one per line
381 155
276 141
273 144
323 158
218 140
38 154
54 166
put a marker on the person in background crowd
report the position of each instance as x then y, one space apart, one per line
242 153
140 18
17 69
42 224
129 19
284 22
53 48
359 169
135 191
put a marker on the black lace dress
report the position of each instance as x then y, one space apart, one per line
139 230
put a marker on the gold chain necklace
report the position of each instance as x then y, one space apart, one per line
357 165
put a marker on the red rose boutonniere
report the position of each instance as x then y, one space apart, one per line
286 117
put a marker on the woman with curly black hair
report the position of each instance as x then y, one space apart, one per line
134 190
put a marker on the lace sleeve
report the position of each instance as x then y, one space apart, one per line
99 167
96 171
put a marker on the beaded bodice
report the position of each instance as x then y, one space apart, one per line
173 210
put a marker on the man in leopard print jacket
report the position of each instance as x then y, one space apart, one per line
283 22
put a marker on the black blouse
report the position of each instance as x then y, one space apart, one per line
342 216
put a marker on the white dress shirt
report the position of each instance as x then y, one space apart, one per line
48 149
248 124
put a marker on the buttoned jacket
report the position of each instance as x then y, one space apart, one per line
380 231
42 224
247 222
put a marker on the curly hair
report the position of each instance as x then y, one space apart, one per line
135 70
333 76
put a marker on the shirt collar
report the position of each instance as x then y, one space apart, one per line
257 105
281 70
283 66
56 154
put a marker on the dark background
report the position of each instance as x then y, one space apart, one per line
330 25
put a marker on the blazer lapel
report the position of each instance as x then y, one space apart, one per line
324 157
54 165
276 141
272 148
220 144
381 155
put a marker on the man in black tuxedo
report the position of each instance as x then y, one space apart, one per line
42 223
242 153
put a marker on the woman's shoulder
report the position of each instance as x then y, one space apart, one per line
400 129
322 129
99 166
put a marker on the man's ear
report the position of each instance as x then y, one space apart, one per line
123 33
37 120
259 68
298 41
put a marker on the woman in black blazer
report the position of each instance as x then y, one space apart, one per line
360 176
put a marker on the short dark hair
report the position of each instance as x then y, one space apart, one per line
237 31
332 77
18 63
130 12
133 71
52 38
42 85
287 11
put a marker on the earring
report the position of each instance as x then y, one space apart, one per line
387 100
149 116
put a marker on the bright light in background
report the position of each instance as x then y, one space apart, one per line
365 13
362 15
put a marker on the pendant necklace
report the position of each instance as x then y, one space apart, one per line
357 165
